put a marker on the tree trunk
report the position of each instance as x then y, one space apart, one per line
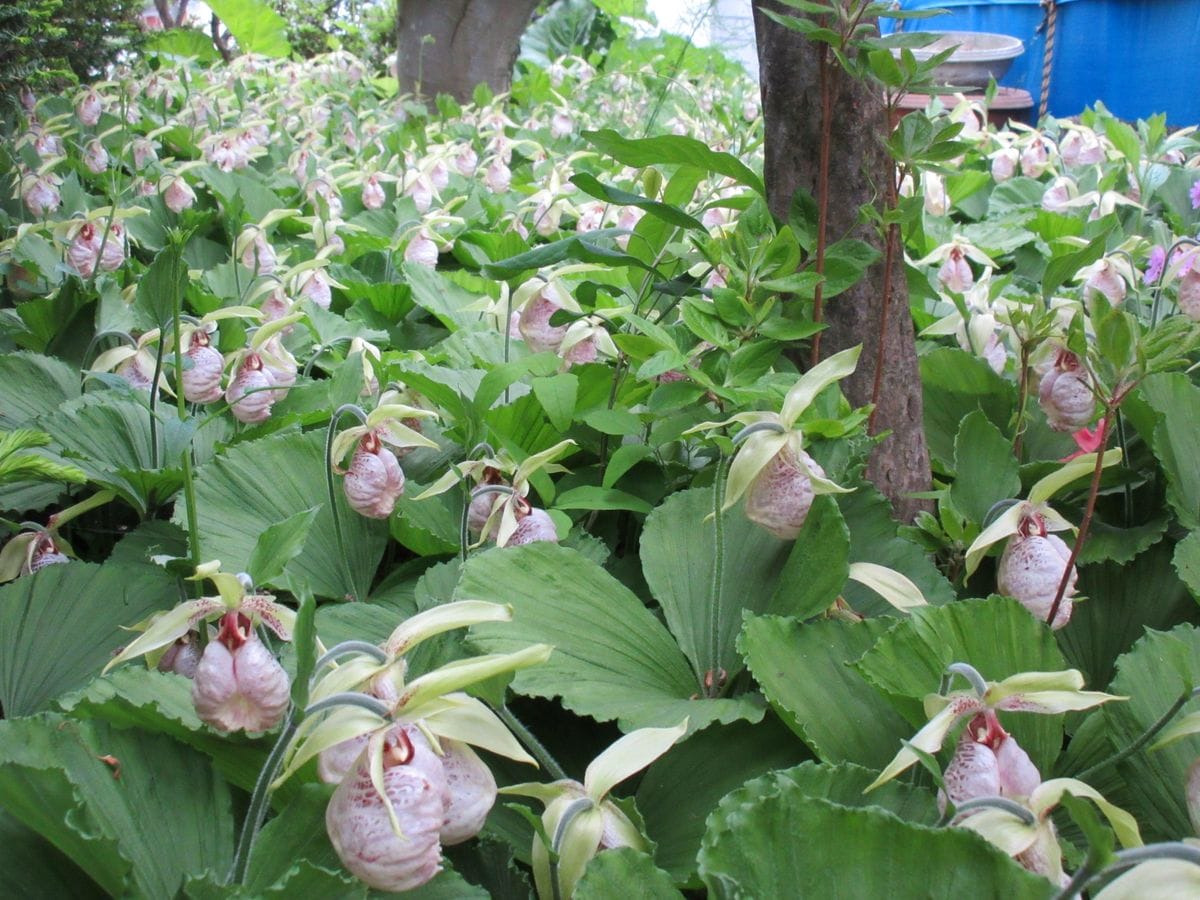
859 170
473 41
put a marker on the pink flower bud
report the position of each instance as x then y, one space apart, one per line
361 830
1065 394
781 494
375 480
245 395
1031 568
202 382
238 684
472 792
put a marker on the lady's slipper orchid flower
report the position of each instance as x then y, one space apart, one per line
1080 146
93 247
1060 194
1004 163
249 393
584 341
411 784
374 480
202 380
40 193
1048 693
1034 560
177 194
133 361
1036 156
581 820
95 157
538 300
88 108
1109 275
933 189
771 469
238 683
1065 393
955 273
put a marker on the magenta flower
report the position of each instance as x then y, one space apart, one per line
1158 259
1194 195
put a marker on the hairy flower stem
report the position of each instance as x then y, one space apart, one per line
351 588
1093 493
1144 738
257 811
536 748
1022 400
189 480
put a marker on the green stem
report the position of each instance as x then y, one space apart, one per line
189 481
351 587
1143 739
536 748
257 810
718 575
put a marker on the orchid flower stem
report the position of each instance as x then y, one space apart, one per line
1144 738
351 587
536 748
350 698
257 811
345 647
718 577
1093 493
1016 810
971 674
158 364
189 480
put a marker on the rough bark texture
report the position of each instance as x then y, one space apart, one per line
858 172
474 41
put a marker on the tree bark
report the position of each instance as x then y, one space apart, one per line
473 41
859 170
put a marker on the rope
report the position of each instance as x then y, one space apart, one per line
1049 23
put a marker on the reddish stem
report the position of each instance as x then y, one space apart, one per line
1093 493
826 72
889 259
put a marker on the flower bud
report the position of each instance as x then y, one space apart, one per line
781 494
95 157
375 480
238 683
498 177
182 657
88 109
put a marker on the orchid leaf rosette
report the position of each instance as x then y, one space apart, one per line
771 469
238 684
400 750
580 820
1035 559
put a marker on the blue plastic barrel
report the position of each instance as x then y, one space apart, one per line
1139 57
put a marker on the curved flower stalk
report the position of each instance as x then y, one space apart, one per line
771 469
238 683
580 820
411 783
1034 562
1048 693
